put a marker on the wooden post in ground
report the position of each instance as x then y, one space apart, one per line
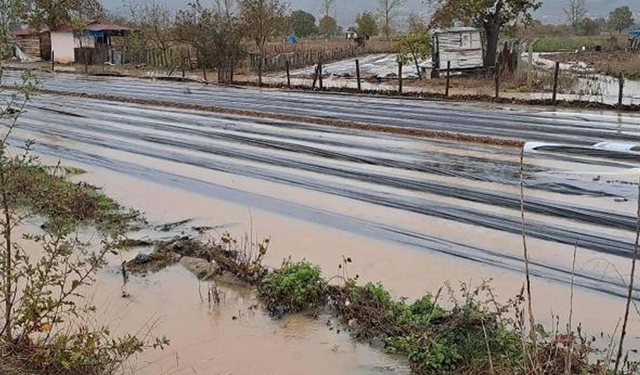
315 79
446 92
288 74
182 63
400 77
358 75
321 84
204 68
53 61
621 90
556 75
497 79
233 66
530 67
86 61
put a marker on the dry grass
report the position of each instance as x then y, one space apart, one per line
609 63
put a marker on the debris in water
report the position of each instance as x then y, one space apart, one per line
171 226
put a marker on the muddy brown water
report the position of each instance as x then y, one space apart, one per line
320 194
205 339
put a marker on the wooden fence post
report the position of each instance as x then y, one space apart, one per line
497 79
53 61
621 90
446 92
358 75
182 63
556 75
321 84
315 79
86 61
288 75
400 77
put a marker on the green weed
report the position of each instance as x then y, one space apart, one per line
294 287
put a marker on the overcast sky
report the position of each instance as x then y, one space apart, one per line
347 9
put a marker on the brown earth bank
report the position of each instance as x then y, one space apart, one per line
626 63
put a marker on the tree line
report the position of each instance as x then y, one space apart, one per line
219 31
576 12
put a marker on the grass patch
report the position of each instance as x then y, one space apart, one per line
575 43
46 191
294 287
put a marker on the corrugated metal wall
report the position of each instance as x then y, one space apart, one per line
463 49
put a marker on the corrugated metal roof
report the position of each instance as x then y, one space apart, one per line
95 26
105 27
455 30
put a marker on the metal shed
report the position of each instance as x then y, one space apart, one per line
634 40
462 46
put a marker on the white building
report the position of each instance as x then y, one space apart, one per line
462 47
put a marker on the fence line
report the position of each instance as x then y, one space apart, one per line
301 59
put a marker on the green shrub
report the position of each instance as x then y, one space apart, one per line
293 287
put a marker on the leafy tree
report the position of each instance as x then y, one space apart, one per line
366 24
414 47
621 19
52 13
328 26
11 13
490 15
303 24
576 12
263 20
388 12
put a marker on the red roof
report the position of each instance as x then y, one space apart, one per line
24 32
69 28
62 29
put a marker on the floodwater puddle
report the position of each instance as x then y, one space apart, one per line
234 336
405 271
411 213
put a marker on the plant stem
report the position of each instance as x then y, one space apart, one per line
532 332
631 282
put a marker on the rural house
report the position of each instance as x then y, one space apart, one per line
462 46
92 44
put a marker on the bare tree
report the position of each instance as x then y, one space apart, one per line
215 33
328 7
416 23
264 20
576 11
154 25
388 12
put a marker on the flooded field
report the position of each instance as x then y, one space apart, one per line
411 213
